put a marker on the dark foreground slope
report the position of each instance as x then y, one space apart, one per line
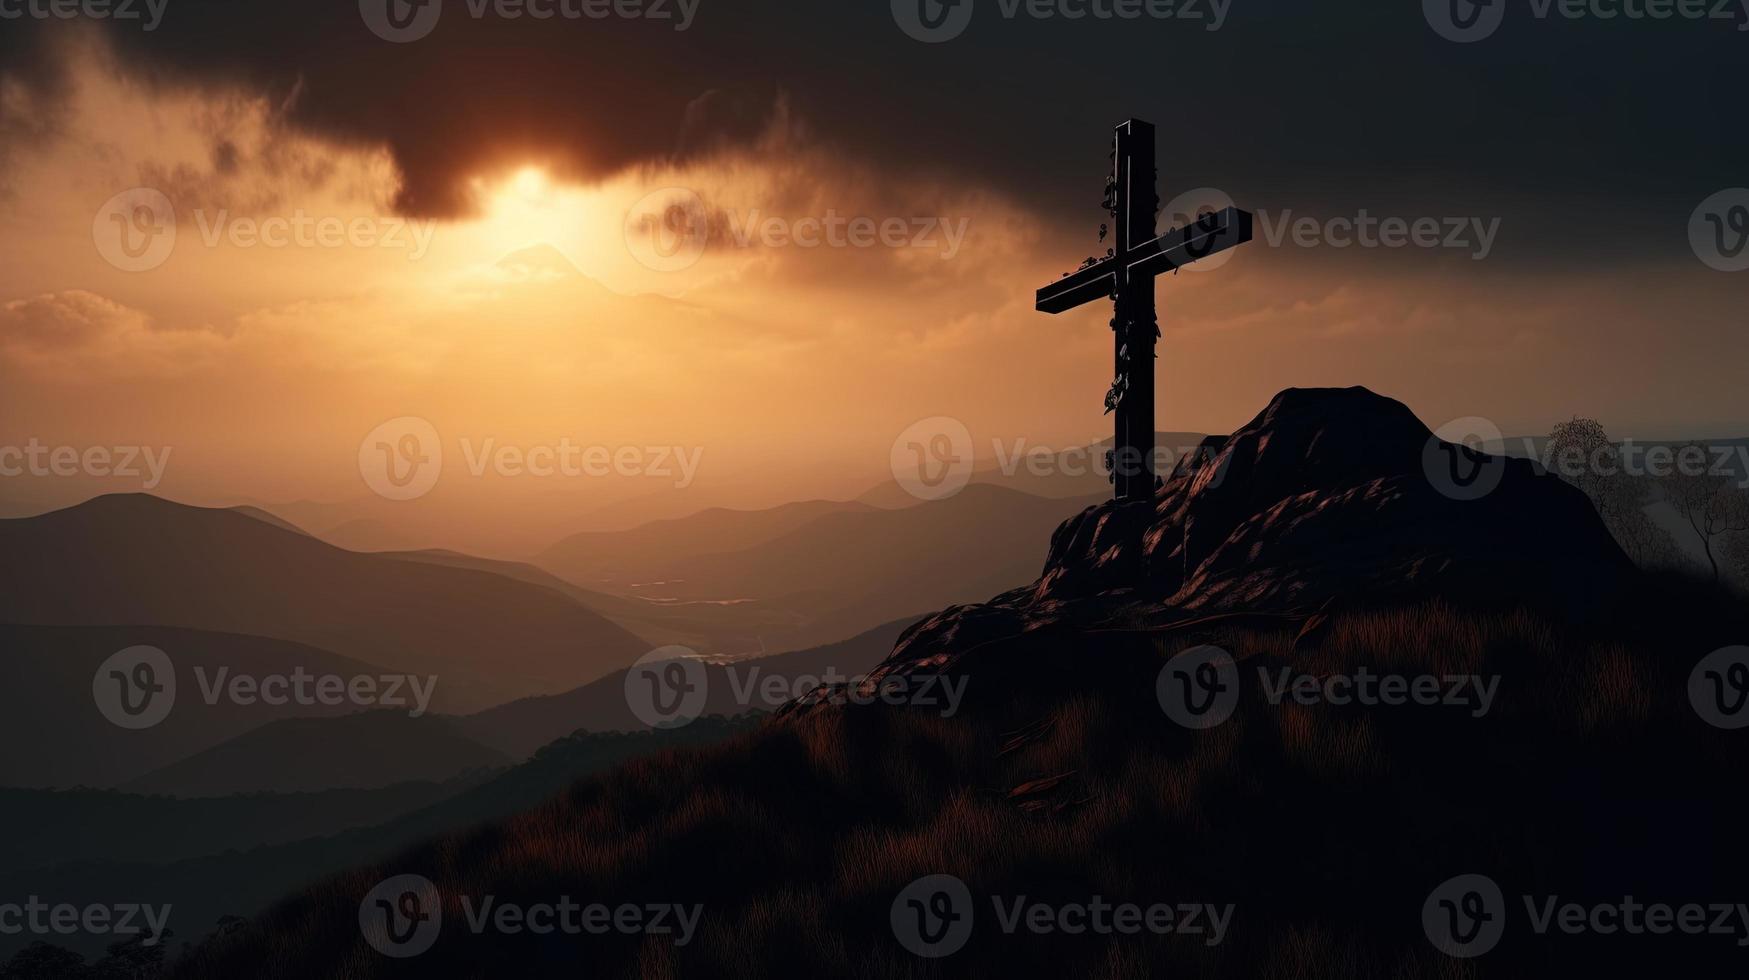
1326 828
1323 828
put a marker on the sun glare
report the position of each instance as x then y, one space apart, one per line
530 184
528 207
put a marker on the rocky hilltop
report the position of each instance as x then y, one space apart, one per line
1328 497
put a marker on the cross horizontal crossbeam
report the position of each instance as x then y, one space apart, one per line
1208 235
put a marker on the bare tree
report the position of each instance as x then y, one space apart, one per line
1709 503
1580 452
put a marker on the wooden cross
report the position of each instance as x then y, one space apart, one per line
1126 276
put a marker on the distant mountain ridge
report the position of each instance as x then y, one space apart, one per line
363 750
133 559
520 727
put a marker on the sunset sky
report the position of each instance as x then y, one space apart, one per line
486 191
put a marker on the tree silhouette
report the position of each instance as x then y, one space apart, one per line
1709 503
1580 452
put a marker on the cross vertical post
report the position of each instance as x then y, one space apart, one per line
1126 277
1134 326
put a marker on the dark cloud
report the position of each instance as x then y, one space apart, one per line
1596 131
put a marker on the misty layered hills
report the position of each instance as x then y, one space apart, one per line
632 556
520 727
121 844
711 629
1317 540
45 828
58 737
366 750
850 569
245 592
366 534
127 560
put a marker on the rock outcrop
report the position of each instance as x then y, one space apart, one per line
1329 497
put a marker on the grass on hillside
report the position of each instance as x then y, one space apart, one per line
1326 827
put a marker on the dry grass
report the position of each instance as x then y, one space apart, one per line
1326 826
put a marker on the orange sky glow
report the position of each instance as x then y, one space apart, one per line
263 354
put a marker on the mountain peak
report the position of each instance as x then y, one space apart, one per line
539 263
1328 494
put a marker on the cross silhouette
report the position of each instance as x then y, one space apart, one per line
1126 276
